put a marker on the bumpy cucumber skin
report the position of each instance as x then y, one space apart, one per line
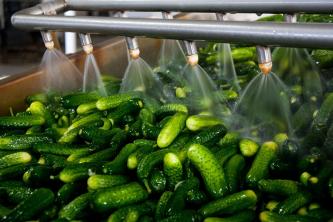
122 214
245 216
260 166
15 158
86 108
198 122
173 170
104 181
210 170
21 142
171 129
15 191
157 181
268 216
26 210
230 204
76 207
210 135
278 187
248 147
292 203
75 172
67 192
183 216
112 101
170 109
119 196
60 149
233 172
75 99
21 121
162 205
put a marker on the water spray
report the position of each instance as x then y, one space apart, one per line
46 35
132 44
86 43
264 59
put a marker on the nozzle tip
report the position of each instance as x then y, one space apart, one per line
266 68
88 49
134 53
193 59
49 45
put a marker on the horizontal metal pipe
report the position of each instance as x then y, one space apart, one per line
242 6
258 33
44 8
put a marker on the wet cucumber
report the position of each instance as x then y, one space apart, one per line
14 158
198 122
231 139
21 121
183 216
75 99
171 129
173 170
75 209
230 204
162 205
3 211
134 159
103 155
97 136
104 181
150 131
54 161
135 130
21 142
67 192
119 196
61 149
268 216
170 109
210 135
75 172
260 166
233 171
248 147
27 209
245 216
224 154
13 171
146 116
278 187
39 109
196 197
124 214
129 107
86 108
113 101
15 191
293 203
37 175
210 170
157 181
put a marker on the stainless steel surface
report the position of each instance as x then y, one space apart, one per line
258 33
46 36
290 18
85 39
264 54
44 8
190 48
220 16
247 6
132 43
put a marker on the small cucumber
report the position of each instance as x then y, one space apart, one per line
119 196
54 161
75 172
245 216
15 191
196 197
39 109
210 135
198 122
248 147
132 106
84 121
146 116
68 192
279 187
230 204
41 97
157 181
102 155
97 136
124 214
173 170
3 211
224 154
183 216
86 108
75 99
134 159
135 130
75 208
21 121
34 204
113 101
37 175
231 139
293 203
268 216
15 158
13 171
22 142
210 170
171 129
150 131
170 109
104 181
233 172
162 205
61 149
260 166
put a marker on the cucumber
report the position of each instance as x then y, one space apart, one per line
86 108
146 218
27 209
102 155
94 117
231 139
53 161
230 204
210 135
245 216
144 142
119 196
171 129
75 172
135 130
15 191
248 147
177 201
15 158
39 109
320 214
293 203
268 216
113 101
76 208
104 181
21 121
157 181
22 142
163 121
196 197
134 159
49 214
40 97
150 131
260 166
127 108
3 211
210 170
13 171
162 205
279 187
61 149
173 170
330 187
68 192
233 172
75 99
37 175
198 122
183 216
170 109
119 164
132 216
124 214
34 130
146 116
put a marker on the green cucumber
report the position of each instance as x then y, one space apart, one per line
173 170
171 129
183 216
119 196
104 181
231 139
34 130
22 142
37 175
162 205
210 135
41 97
279 187
21 121
75 99
248 147
210 170
119 164
245 216
224 154
198 122
330 187
84 121
39 109
3 211
157 181
113 101
163 121
132 106
268 216
75 172
230 204
15 158
27 209
170 109
320 214
293 203
15 191
146 116
54 161
260 166
68 192
75 208
102 155
233 172
86 108
150 131
124 213
135 130
13 171
196 197
61 149
134 159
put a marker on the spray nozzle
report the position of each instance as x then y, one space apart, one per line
191 53
86 43
264 59
47 39
133 47
290 18
220 16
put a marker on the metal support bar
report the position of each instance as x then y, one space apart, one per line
257 33
242 6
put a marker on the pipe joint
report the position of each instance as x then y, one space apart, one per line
264 59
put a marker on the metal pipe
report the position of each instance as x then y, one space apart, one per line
258 33
264 59
132 43
86 43
242 6
44 8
